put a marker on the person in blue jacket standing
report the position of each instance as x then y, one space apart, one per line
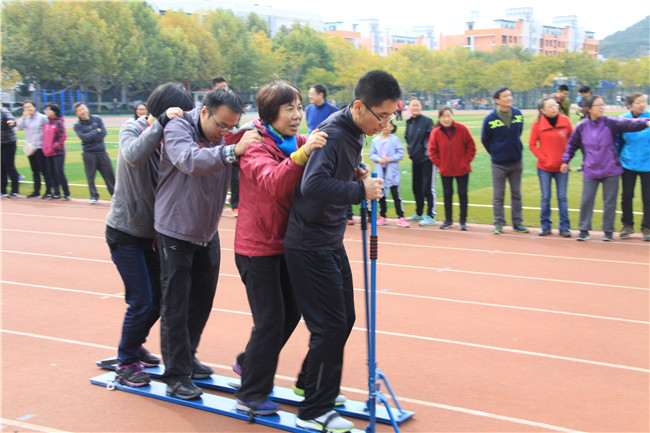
318 109
634 153
501 136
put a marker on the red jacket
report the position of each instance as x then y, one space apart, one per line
452 155
552 142
267 181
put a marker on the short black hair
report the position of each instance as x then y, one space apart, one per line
54 107
77 105
29 101
272 96
169 95
563 87
319 88
584 89
629 99
377 86
219 97
219 79
498 91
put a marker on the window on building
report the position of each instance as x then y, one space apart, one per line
504 39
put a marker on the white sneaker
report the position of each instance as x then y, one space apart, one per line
330 422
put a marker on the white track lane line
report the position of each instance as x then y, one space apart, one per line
347 389
398 334
488 274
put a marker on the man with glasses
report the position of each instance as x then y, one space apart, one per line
418 131
316 258
193 181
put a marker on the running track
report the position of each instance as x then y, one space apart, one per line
476 332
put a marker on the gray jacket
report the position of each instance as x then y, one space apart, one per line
132 204
193 181
33 125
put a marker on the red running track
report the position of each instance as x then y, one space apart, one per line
476 332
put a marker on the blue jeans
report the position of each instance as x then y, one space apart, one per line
140 271
561 182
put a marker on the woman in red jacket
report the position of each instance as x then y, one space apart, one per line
54 137
452 149
269 173
548 139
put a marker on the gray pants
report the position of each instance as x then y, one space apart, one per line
610 194
94 162
512 173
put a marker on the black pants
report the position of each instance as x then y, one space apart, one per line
39 168
94 162
275 316
629 183
422 174
394 191
58 181
188 282
9 167
234 187
448 191
322 282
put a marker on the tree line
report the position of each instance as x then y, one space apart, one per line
125 45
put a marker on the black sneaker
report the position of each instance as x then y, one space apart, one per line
34 194
13 195
608 237
447 225
200 371
132 375
46 196
56 196
545 232
147 359
463 226
183 388
583 236
565 233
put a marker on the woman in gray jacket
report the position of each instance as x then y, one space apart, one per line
129 227
32 123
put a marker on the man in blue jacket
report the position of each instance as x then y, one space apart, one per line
91 132
318 264
318 109
501 136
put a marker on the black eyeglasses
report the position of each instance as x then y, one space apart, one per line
386 120
224 129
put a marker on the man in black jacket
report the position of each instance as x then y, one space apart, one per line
91 131
418 130
317 261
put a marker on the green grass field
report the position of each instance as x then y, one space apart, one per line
480 182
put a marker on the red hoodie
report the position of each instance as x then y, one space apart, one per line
452 155
267 181
549 143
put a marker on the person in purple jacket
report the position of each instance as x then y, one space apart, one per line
596 136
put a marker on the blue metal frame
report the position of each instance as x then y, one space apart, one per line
374 374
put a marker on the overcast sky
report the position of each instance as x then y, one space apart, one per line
449 16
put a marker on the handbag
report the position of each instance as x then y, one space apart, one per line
29 149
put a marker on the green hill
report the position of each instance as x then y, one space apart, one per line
629 43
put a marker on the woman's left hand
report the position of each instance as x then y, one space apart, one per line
316 140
